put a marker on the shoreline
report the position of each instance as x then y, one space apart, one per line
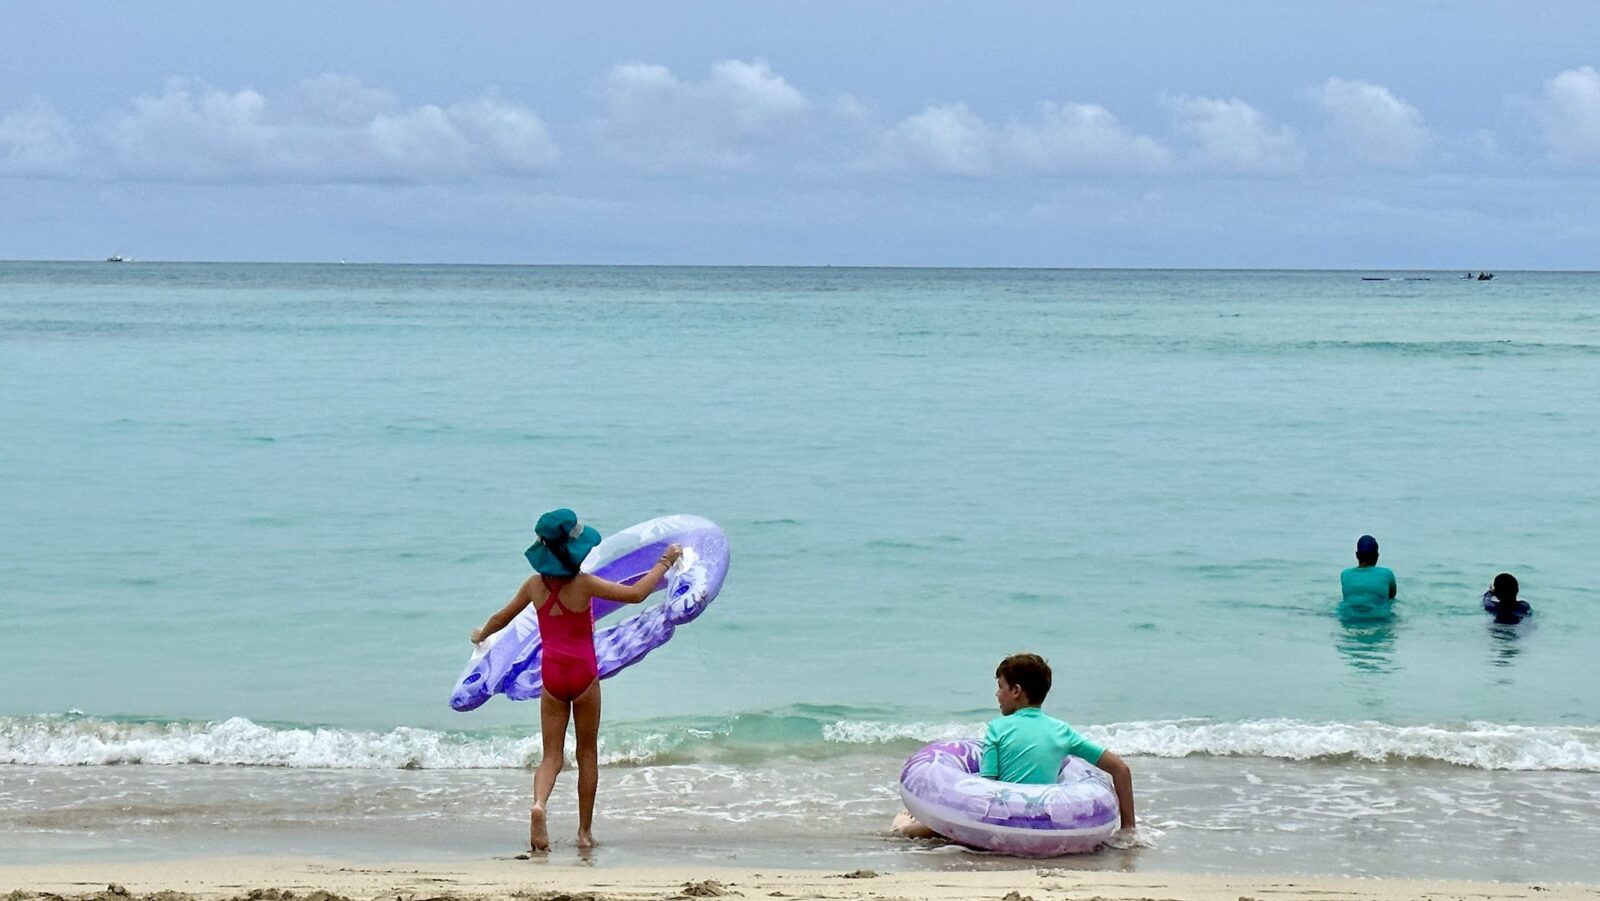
1201 815
274 878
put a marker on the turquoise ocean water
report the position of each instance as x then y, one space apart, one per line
250 513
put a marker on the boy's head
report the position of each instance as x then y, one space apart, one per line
1367 551
1021 680
1505 587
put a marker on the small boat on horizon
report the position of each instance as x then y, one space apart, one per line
118 258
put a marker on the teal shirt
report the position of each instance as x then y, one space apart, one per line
1029 747
1368 591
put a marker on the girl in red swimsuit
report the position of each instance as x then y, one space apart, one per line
561 594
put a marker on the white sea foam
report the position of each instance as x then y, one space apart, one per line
237 741
1490 746
866 732
78 741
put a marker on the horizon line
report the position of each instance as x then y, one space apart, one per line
866 266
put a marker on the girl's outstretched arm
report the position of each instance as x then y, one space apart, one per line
638 591
507 613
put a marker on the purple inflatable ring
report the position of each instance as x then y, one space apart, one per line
1073 815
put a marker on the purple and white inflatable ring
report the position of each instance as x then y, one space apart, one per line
942 789
507 662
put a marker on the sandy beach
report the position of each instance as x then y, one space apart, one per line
307 879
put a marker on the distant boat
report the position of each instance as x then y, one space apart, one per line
1374 278
118 258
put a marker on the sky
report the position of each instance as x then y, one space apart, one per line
1366 135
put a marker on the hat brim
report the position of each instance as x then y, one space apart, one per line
545 563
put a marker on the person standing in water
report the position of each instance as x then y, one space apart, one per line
1368 589
1501 600
561 595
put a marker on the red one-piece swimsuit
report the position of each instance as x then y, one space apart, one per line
568 665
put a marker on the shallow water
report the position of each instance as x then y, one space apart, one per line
286 493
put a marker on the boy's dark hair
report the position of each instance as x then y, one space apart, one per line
1505 587
1028 672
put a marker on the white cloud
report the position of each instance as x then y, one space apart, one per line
511 134
328 128
1373 124
1569 115
203 133
1233 136
1065 137
949 139
753 95
655 121
1083 136
36 141
415 141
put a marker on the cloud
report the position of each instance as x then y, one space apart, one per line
202 133
506 133
655 121
1233 136
1083 137
329 128
1064 137
949 139
36 141
1373 124
1569 115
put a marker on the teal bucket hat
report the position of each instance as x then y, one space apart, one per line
560 530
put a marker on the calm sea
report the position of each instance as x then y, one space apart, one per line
249 513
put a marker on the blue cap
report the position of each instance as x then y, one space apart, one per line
1366 544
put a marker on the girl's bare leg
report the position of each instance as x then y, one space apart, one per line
586 723
553 714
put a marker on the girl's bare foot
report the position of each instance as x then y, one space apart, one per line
586 840
538 834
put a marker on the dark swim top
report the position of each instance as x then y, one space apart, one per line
1508 614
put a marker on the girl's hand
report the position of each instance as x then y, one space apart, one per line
477 635
673 554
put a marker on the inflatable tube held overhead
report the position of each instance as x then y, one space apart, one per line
507 662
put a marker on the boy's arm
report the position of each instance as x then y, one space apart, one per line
989 764
1393 588
505 615
1122 781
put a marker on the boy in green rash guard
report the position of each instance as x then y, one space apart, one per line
1368 589
1024 745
